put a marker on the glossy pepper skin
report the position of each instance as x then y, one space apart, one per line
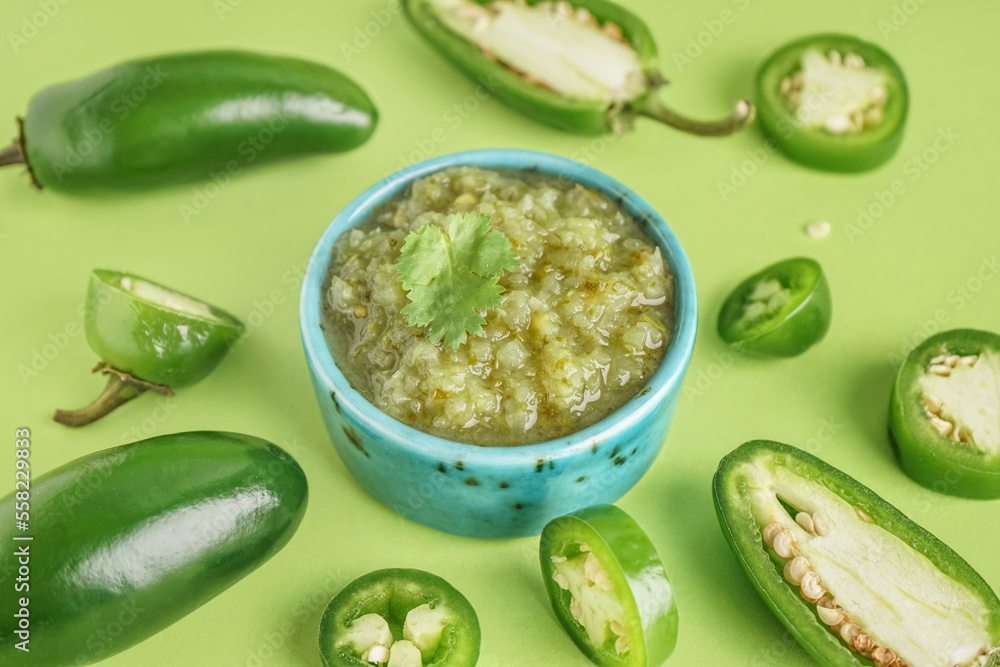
148 344
742 532
392 593
137 536
798 325
178 118
571 115
159 345
637 575
815 147
924 454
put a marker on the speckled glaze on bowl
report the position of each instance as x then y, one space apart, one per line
496 492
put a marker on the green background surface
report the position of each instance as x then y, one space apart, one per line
925 261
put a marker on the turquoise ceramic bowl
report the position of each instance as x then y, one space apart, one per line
499 491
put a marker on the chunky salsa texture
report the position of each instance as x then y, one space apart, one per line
584 323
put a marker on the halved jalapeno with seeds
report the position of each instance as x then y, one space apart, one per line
780 311
399 618
608 587
833 102
851 577
944 414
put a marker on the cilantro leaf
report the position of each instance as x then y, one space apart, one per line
451 277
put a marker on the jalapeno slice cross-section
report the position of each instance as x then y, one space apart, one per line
148 337
944 415
852 578
833 102
608 587
399 618
586 66
780 311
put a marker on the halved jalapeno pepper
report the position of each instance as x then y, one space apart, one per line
399 618
780 311
851 577
148 337
833 102
945 413
586 66
608 587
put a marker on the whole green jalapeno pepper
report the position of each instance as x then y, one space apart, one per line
944 415
128 540
856 581
149 338
586 66
184 117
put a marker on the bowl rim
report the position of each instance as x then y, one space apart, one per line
665 380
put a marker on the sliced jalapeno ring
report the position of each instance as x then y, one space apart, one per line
148 337
201 114
402 618
586 66
944 415
853 579
781 311
608 587
833 102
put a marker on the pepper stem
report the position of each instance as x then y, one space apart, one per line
652 107
121 389
11 155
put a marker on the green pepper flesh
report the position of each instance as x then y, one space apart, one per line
638 594
816 147
794 311
572 115
904 588
149 337
393 594
971 396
